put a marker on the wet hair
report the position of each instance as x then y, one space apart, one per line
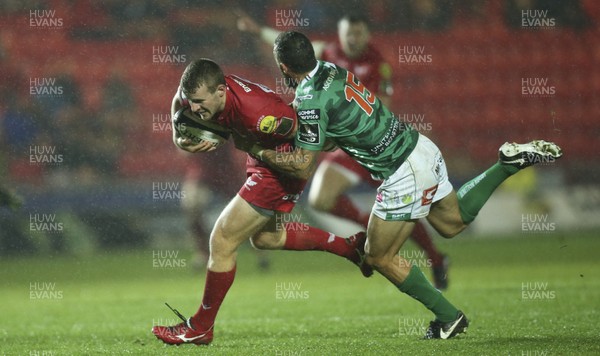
295 51
355 19
202 72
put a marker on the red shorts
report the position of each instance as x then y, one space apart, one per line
271 190
350 167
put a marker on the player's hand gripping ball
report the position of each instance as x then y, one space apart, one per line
189 126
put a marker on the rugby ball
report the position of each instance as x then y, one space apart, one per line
189 125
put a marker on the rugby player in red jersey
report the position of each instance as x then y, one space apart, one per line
338 172
254 114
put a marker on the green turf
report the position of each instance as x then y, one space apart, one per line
110 301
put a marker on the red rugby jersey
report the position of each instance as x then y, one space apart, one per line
257 112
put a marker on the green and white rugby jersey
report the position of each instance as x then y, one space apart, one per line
333 105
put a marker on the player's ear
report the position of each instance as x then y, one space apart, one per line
284 69
221 89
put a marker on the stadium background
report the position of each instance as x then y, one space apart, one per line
86 89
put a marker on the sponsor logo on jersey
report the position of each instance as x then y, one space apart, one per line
388 138
250 183
244 86
309 133
267 124
291 197
310 114
301 98
397 216
332 72
428 195
285 126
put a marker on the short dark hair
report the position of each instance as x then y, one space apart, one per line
202 72
295 51
355 19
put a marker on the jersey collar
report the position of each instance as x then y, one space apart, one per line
311 73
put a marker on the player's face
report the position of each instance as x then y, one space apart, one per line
354 37
289 80
205 104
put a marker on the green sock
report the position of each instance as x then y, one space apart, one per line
417 286
473 195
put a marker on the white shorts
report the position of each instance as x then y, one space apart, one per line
420 181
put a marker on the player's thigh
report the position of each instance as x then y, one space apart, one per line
386 237
271 235
236 223
444 216
329 182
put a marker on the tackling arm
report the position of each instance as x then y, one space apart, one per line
299 163
267 34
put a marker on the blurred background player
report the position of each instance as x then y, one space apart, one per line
338 172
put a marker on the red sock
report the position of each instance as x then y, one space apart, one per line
311 238
216 287
421 237
345 208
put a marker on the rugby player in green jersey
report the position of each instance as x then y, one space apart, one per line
334 108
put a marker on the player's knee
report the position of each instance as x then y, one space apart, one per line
378 262
450 231
257 243
262 242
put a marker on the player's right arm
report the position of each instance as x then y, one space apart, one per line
267 34
177 103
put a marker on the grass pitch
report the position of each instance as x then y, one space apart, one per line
524 295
